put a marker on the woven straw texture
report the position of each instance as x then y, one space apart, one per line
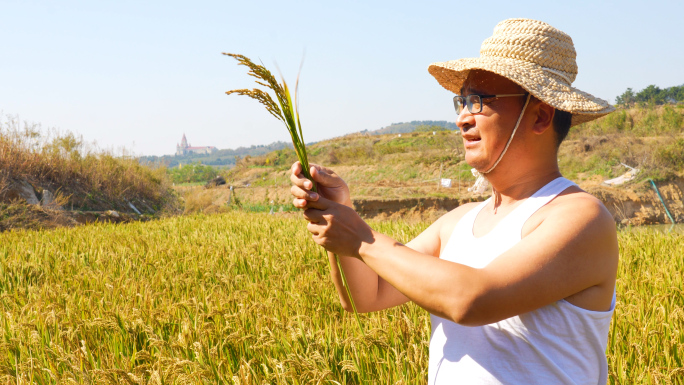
535 55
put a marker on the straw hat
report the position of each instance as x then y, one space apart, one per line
535 55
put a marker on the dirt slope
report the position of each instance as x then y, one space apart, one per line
633 204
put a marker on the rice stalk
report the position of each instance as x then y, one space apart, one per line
207 299
286 110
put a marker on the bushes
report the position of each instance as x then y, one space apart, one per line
642 121
192 173
619 120
671 119
672 156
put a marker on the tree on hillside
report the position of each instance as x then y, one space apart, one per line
675 93
651 95
626 99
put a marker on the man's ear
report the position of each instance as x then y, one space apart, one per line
544 118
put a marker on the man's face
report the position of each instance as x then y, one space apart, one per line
485 134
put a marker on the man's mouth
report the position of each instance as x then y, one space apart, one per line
471 140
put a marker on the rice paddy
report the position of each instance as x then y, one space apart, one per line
245 298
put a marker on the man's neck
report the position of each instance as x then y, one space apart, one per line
512 186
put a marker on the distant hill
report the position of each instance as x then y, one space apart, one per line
227 157
220 158
391 167
402 128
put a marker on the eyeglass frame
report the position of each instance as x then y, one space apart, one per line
468 105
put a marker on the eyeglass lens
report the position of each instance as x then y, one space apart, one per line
473 102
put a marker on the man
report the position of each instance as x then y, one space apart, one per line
521 287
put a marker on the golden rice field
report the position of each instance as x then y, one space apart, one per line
243 298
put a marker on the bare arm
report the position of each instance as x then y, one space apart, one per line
572 250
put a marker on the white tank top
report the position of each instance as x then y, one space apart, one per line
557 344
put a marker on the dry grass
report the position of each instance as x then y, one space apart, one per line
659 158
649 138
88 178
15 215
207 201
639 121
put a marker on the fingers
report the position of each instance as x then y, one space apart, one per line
301 193
316 209
324 176
313 216
302 197
320 204
298 179
325 170
313 228
316 225
301 187
296 168
305 202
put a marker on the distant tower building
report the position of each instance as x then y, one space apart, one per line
184 148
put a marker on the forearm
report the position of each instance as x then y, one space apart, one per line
362 281
441 287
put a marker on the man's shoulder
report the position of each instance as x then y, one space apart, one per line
575 208
576 199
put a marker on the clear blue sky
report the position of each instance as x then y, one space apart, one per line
138 74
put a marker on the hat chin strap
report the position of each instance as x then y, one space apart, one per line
481 182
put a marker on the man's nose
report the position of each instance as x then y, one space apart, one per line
465 120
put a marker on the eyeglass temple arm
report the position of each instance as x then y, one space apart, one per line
500 96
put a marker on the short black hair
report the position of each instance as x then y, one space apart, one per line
561 124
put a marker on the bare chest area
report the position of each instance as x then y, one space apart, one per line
490 217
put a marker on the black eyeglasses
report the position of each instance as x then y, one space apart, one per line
474 102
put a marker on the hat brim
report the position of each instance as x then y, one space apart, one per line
544 85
